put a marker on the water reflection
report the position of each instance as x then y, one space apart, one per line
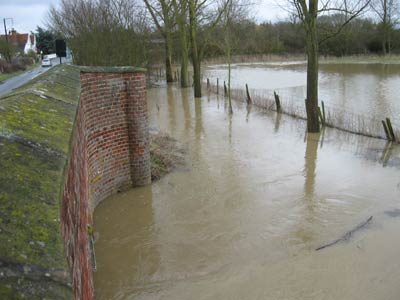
186 110
278 118
199 121
369 90
248 109
171 107
310 165
386 153
252 206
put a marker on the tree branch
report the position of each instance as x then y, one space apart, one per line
347 21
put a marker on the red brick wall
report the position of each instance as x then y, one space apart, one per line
109 152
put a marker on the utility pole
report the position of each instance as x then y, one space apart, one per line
5 29
5 26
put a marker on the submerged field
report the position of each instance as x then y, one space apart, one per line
243 218
357 95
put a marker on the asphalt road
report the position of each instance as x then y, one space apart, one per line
14 82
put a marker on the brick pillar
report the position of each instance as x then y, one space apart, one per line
116 126
139 145
109 152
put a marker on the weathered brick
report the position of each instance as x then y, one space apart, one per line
109 152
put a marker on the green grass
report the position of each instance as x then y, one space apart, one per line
35 125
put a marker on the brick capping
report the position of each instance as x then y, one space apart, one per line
116 70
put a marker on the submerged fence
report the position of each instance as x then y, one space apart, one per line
334 116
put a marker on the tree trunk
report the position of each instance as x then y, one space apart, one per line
196 77
384 39
385 29
384 47
184 69
184 51
195 53
312 70
168 58
229 80
166 32
168 41
228 56
180 14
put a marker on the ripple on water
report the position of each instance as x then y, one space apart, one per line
243 222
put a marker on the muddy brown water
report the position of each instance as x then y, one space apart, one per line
243 219
366 89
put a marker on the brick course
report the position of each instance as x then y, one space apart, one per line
109 152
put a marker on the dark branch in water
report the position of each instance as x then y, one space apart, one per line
346 236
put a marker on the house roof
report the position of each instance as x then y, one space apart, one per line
18 39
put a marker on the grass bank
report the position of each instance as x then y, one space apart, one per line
364 58
36 121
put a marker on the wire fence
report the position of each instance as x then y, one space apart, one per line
335 117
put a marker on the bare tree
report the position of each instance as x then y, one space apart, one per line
227 20
308 14
387 12
7 50
202 13
180 11
235 12
102 32
162 14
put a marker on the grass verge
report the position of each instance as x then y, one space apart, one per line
4 77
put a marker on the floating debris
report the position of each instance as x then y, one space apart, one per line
393 213
347 235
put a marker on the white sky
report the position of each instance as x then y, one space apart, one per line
268 10
28 14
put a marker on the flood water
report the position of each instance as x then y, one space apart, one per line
367 89
242 220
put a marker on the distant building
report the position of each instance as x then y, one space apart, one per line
24 42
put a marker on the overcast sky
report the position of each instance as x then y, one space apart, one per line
28 14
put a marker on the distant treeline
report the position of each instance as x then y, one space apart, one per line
125 36
361 36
